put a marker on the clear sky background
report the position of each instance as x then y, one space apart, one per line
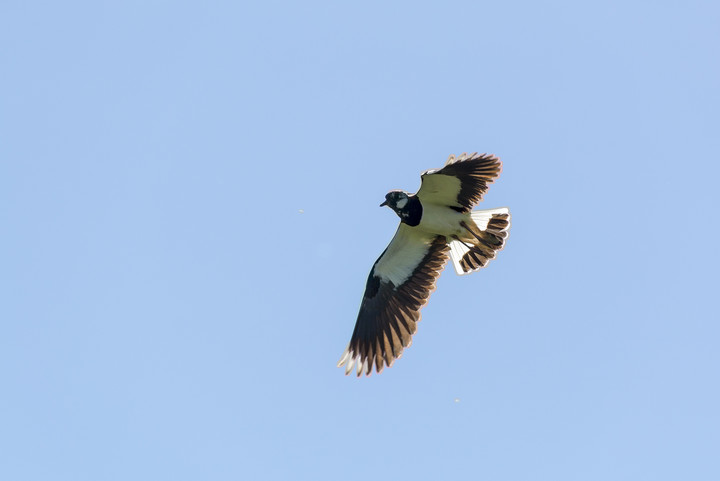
189 210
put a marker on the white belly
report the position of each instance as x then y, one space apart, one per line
441 220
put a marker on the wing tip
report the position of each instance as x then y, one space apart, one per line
353 361
474 156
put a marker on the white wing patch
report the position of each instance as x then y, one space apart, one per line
402 256
439 189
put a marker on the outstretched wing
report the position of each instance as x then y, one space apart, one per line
461 183
398 286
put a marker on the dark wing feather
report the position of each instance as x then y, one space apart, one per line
398 286
462 182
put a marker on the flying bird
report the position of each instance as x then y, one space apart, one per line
437 222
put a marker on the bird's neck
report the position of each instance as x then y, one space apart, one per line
411 213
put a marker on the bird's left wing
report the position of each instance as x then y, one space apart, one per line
398 286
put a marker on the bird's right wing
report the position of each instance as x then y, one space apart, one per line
398 286
461 182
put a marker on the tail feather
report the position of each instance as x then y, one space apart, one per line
485 239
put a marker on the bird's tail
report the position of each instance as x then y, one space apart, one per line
485 237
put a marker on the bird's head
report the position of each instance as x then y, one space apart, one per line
396 200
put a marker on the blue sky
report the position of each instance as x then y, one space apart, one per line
168 312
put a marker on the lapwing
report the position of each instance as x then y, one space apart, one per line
437 222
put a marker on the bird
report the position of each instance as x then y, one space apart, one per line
436 223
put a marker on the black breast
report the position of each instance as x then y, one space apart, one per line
412 212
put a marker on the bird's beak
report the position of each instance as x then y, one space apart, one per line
384 203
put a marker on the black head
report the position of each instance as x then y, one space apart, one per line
396 200
406 206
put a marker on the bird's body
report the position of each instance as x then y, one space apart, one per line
437 223
441 220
